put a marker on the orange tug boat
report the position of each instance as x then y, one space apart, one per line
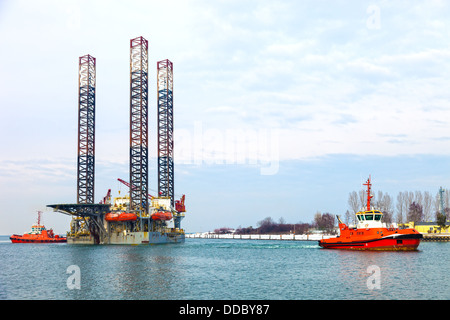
372 234
38 234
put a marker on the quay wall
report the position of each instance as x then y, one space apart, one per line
436 237
298 237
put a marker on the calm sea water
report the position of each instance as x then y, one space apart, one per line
213 269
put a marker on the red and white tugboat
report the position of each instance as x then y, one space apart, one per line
372 234
38 234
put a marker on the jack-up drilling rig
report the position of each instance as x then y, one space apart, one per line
137 218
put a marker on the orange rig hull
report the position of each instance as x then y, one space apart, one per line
388 239
37 238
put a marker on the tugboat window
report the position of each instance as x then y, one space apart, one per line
369 216
378 217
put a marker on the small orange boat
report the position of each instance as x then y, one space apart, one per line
372 234
38 234
120 216
161 215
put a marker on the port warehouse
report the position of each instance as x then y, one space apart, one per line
431 231
428 227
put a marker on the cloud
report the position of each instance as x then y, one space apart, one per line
304 68
36 170
312 73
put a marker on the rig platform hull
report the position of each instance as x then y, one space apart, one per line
133 238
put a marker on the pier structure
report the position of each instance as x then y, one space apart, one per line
297 237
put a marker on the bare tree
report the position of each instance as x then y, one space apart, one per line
418 198
399 205
378 200
436 203
409 199
387 208
317 218
404 199
415 212
324 221
427 206
384 202
348 217
362 198
353 202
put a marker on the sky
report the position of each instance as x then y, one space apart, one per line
281 108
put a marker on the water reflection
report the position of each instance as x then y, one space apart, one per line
212 269
394 271
125 272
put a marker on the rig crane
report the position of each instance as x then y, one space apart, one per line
107 198
129 186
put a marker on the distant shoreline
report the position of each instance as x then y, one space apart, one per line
296 237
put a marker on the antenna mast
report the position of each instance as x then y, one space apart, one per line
39 218
369 196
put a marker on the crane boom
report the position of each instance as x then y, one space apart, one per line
129 186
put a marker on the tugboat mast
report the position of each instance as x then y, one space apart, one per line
39 218
369 196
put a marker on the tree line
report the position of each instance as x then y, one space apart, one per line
269 226
406 207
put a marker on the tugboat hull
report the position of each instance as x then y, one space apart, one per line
407 242
21 239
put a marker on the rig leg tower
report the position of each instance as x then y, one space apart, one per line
86 130
139 126
165 133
